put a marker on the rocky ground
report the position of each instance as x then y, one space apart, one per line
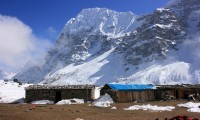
85 112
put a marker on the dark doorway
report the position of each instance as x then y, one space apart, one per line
58 96
177 95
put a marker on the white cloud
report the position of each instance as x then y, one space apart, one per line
18 44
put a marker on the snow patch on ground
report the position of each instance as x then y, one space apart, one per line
193 107
79 119
103 101
114 108
42 102
150 107
11 91
70 101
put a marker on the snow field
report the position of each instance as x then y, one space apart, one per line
42 102
150 107
70 101
103 101
192 107
11 91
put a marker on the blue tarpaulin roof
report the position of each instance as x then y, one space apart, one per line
131 87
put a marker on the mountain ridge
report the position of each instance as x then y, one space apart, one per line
99 46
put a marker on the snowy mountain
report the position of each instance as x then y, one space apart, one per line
93 32
101 46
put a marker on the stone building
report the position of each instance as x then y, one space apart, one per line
177 91
57 93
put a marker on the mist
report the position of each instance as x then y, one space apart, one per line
19 46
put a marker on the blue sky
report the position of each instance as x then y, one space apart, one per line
49 16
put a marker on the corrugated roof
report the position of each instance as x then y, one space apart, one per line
178 86
35 87
131 87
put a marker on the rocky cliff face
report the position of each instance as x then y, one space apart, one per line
101 46
160 32
187 11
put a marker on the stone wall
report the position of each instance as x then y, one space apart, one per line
52 94
32 95
85 94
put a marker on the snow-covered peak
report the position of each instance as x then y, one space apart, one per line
101 10
162 9
101 20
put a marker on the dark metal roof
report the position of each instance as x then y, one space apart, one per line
35 87
183 86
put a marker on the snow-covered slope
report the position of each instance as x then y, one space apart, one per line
11 91
80 73
100 46
6 75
